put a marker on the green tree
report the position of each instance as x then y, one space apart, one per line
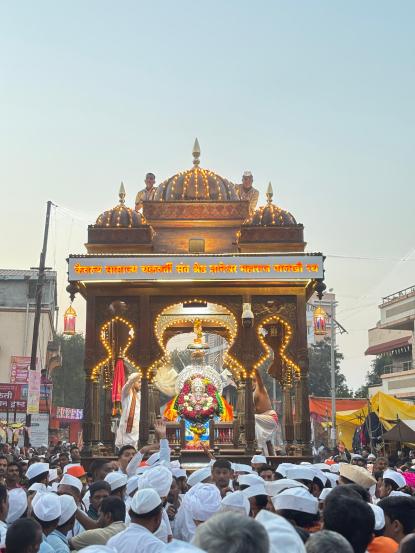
320 371
69 379
373 376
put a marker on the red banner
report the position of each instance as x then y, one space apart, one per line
13 397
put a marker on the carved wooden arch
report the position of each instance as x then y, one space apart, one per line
229 361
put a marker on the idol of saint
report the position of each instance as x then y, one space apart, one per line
128 429
147 193
246 191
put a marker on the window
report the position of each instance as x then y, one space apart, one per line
196 245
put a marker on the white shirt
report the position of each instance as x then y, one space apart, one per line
3 532
136 539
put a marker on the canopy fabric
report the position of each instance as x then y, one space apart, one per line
404 431
388 408
321 406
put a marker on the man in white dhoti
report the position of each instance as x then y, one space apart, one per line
266 419
127 432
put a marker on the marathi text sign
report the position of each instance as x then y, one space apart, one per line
191 267
19 367
69 413
13 397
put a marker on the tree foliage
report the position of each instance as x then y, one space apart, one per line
373 376
69 379
320 371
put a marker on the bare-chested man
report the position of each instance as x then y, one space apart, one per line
266 419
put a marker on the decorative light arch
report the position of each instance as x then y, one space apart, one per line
159 330
292 370
111 355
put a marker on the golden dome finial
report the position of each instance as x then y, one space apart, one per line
121 193
196 153
270 193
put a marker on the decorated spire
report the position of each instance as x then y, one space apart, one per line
121 193
270 193
196 153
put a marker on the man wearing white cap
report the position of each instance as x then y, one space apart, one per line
70 485
200 475
205 502
236 502
145 513
38 473
159 478
246 191
17 505
47 511
57 539
392 481
257 461
118 483
299 507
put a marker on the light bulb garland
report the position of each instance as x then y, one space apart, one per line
160 329
105 364
292 370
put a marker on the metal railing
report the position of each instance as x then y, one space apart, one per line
397 295
402 367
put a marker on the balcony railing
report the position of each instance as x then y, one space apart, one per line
402 367
397 295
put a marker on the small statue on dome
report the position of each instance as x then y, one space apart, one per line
148 193
246 191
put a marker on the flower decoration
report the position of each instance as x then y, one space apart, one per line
196 405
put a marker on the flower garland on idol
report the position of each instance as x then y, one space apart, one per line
188 407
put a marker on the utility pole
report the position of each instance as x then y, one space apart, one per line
38 304
39 289
333 435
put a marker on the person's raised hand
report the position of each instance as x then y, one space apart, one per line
160 429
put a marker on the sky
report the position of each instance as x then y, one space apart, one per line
317 97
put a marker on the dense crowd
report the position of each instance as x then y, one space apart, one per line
144 502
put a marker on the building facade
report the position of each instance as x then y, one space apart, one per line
17 307
393 339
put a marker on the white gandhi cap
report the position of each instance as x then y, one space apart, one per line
116 480
46 506
68 508
145 501
36 469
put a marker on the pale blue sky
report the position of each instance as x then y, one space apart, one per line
315 96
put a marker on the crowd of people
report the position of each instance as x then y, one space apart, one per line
145 502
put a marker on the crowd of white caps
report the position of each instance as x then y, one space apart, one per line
151 504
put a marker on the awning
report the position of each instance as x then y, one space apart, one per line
389 346
404 431
321 406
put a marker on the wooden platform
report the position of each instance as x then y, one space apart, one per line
193 459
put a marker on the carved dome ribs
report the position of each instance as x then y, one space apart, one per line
196 184
271 215
120 216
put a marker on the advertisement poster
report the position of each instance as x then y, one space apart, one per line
33 394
